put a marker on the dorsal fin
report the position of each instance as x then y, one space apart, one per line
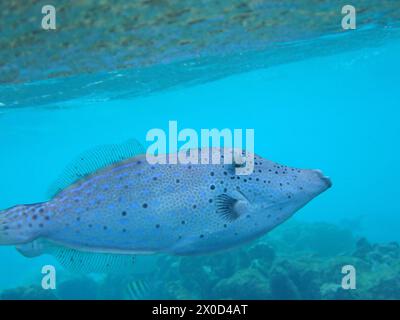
92 160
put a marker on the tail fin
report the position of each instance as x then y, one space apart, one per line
21 224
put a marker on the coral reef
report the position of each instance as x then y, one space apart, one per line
81 288
297 261
27 293
101 48
120 34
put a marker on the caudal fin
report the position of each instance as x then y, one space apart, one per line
20 224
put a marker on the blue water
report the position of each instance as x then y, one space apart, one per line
337 113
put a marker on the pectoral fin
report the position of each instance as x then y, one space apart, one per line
231 208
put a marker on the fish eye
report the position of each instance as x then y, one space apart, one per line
239 165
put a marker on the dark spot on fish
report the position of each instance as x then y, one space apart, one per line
225 173
157 226
90 225
212 187
154 178
202 236
225 189
123 213
183 222
211 200
41 225
47 218
78 219
123 230
225 226
189 167
139 162
126 186
104 227
41 210
34 217
144 205
212 174
257 179
194 206
233 177
177 180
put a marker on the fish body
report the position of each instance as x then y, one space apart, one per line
134 207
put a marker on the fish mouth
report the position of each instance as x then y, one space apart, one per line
325 179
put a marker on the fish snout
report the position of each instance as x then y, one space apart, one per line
324 179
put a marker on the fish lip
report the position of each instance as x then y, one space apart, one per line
327 180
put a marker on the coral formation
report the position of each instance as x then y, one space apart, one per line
27 293
297 261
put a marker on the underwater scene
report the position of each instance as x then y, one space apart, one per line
108 109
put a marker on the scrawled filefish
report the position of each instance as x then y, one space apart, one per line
129 206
